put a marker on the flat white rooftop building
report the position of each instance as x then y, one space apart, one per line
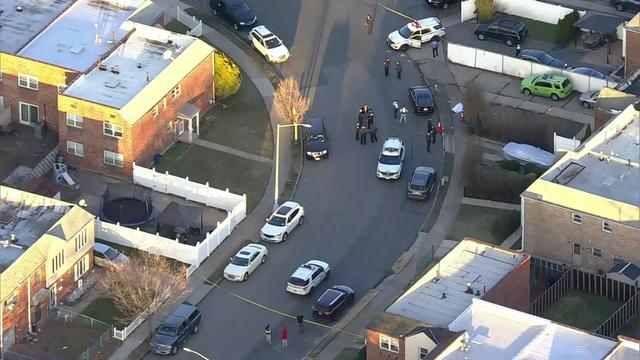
83 33
496 332
443 293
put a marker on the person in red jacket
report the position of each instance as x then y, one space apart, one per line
283 337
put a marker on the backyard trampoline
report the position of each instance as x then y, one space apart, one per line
127 205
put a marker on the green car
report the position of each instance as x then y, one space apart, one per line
554 86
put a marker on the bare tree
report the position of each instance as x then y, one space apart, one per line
290 103
142 285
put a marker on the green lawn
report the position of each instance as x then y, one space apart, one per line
582 310
484 223
447 169
221 170
244 124
106 311
353 354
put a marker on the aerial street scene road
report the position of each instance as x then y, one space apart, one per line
320 179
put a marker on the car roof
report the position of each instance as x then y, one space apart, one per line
425 169
420 89
304 271
532 52
553 78
329 297
286 208
508 22
392 142
183 311
101 247
263 31
430 21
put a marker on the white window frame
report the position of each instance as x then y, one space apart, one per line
576 218
596 252
422 352
176 92
75 120
387 343
111 158
57 261
81 267
607 227
28 82
111 130
155 111
20 112
1 103
617 258
164 103
74 148
81 239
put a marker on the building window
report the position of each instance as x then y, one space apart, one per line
81 267
576 218
175 93
606 227
576 249
423 353
115 159
75 148
29 114
597 252
12 301
164 103
389 344
81 239
617 258
57 261
74 120
155 111
28 82
1 103
112 130
62 88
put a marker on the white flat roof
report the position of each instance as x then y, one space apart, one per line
497 332
627 349
19 27
86 31
480 264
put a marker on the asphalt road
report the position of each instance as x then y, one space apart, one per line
355 222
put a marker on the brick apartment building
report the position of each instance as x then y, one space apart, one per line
137 102
584 212
416 323
632 45
45 251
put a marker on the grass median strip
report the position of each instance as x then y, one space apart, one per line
447 168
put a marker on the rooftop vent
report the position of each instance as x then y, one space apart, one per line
77 49
19 8
112 83
115 69
139 65
102 67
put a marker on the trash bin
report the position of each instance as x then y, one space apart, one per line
156 159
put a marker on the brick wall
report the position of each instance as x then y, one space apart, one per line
549 233
633 49
148 136
374 352
600 118
513 290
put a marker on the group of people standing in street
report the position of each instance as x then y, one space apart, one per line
365 125
431 133
387 64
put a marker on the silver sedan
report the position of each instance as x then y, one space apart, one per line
588 99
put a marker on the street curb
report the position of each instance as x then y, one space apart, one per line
295 185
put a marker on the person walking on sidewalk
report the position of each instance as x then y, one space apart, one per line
387 62
300 321
267 334
396 107
517 50
403 115
373 132
368 23
399 69
428 138
435 43
431 132
439 131
284 337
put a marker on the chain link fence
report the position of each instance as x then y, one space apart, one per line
93 350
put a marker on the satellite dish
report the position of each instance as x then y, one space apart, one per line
167 55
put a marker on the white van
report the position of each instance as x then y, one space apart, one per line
415 33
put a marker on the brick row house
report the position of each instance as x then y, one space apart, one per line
45 252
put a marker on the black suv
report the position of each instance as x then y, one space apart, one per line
236 11
175 330
622 5
511 32
316 142
333 300
422 100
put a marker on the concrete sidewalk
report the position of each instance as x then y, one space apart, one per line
246 229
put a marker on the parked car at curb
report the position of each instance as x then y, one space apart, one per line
175 330
554 86
508 31
268 45
235 11
541 57
391 159
333 301
316 141
440 4
528 154
594 73
282 222
422 100
589 98
415 33
307 277
245 262
629 5
107 257
422 183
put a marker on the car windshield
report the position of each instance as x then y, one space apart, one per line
298 282
277 220
315 138
423 98
240 261
545 58
240 8
166 330
405 32
273 43
565 83
390 159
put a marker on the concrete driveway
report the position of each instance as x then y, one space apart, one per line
355 222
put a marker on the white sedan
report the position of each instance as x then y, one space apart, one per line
307 276
245 262
282 222
268 44
390 159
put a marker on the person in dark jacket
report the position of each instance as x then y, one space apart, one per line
396 107
387 62
399 69
359 123
373 133
369 118
363 135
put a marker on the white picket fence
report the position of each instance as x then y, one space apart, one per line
487 60
563 144
124 333
189 21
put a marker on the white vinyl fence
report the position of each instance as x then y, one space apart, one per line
563 144
530 9
486 60
189 21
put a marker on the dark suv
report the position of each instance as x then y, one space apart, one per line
622 5
175 330
236 11
316 142
508 31
333 300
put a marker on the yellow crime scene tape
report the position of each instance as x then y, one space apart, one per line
393 11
